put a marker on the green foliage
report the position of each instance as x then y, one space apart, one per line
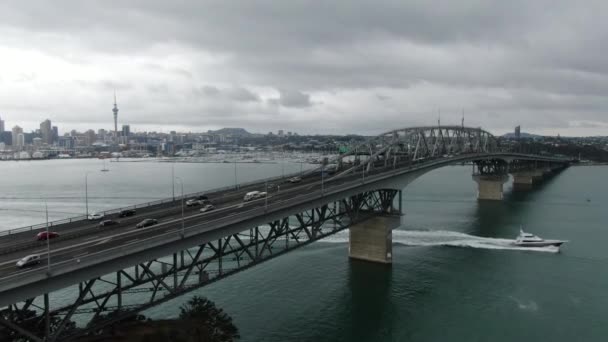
209 322
32 322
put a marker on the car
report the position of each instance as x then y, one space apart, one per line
253 195
294 180
207 208
202 197
29 260
126 212
192 202
146 223
204 202
95 216
106 223
42 236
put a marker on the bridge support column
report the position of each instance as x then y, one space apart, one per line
490 186
372 239
524 180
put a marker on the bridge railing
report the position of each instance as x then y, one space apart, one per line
146 204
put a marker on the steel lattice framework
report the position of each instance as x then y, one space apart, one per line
129 291
415 144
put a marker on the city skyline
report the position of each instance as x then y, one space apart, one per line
214 65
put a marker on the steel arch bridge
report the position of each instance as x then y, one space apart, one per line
139 269
414 144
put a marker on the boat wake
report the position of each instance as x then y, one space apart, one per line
447 238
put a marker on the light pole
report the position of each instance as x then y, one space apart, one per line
363 173
48 239
283 164
181 182
86 192
266 197
322 179
173 179
236 184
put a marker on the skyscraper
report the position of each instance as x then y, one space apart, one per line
115 111
46 132
55 133
1 126
16 131
126 130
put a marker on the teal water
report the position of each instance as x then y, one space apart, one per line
453 277
482 291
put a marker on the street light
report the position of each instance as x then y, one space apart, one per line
48 240
182 184
322 179
236 184
86 192
173 179
266 197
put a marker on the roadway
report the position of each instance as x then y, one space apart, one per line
79 239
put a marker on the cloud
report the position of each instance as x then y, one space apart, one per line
217 63
242 95
291 98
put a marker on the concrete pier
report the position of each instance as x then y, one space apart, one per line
372 239
490 186
524 180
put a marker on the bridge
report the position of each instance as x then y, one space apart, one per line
102 275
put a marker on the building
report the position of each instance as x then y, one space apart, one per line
20 140
55 133
281 133
1 126
37 142
126 131
89 137
46 132
15 136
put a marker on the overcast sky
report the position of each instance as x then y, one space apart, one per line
331 67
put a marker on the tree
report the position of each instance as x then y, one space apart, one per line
210 323
32 322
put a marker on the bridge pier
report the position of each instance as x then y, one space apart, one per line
372 239
490 186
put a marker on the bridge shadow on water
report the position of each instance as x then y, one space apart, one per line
365 308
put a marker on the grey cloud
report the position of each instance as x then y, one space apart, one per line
291 98
540 61
242 95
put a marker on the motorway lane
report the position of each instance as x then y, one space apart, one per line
26 240
72 249
233 205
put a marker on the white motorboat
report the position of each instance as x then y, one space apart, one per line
530 240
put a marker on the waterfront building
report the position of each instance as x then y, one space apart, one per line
46 132
15 135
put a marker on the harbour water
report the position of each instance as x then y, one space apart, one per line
454 275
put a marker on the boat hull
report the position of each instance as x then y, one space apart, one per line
545 243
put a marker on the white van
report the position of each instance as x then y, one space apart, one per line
251 196
254 195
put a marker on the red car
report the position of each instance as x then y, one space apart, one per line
43 235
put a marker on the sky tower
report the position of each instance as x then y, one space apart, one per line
115 111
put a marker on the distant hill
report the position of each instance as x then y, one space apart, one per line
231 131
522 135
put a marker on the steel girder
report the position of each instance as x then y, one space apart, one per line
413 144
102 301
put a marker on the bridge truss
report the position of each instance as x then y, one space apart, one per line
104 300
415 144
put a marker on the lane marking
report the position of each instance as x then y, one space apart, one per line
103 241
